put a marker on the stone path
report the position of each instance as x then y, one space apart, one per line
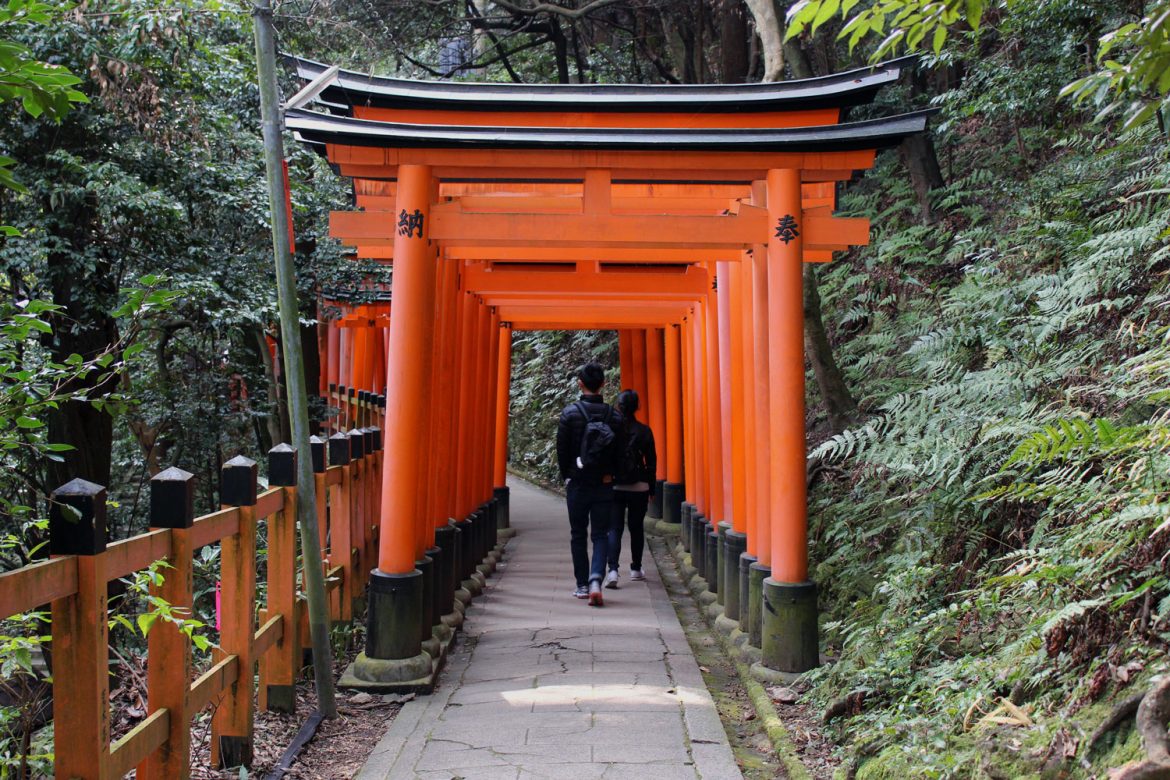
543 686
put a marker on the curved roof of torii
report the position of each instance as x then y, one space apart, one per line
315 127
838 90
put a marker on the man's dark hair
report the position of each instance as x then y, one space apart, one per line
592 375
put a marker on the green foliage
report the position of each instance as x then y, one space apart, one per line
1132 51
996 528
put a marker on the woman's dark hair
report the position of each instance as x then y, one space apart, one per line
627 402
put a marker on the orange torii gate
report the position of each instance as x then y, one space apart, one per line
679 216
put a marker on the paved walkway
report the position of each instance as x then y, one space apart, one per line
543 686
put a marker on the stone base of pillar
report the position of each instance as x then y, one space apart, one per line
721 565
504 515
427 616
687 520
446 539
462 598
711 559
672 500
379 675
757 573
734 543
745 563
699 528
790 638
654 508
394 616
467 559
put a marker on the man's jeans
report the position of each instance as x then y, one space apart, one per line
589 504
635 503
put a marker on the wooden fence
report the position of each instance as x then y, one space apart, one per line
74 580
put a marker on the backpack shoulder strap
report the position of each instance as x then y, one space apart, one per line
584 412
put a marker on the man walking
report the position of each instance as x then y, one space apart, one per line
587 450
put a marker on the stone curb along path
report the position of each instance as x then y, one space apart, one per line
540 685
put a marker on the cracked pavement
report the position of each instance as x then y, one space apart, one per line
540 685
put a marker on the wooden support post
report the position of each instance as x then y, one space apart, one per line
280 664
340 519
231 724
637 379
81 647
790 641
168 658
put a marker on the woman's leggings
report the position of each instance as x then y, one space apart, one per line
635 503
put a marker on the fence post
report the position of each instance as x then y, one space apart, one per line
353 552
81 647
340 523
168 659
279 665
231 725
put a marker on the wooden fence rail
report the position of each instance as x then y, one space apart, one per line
270 636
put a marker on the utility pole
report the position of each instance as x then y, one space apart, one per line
294 371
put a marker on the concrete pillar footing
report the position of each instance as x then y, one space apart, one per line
773 677
790 632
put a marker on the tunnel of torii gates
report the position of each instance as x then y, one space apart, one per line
679 216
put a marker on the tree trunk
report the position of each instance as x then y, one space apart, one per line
83 282
733 42
769 20
918 155
839 403
840 406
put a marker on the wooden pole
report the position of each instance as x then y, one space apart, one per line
290 329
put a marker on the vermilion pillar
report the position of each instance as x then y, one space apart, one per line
393 644
790 608
673 491
503 399
656 411
735 538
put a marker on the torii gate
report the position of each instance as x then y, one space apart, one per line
678 215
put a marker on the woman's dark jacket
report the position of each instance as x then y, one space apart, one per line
640 444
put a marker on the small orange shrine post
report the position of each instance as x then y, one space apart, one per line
679 216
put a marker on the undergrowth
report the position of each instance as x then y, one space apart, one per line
991 539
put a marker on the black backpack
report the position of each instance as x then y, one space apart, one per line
630 460
597 438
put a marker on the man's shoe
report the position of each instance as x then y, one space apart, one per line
611 579
595 598
636 575
582 592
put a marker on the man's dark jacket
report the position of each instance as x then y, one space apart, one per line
570 430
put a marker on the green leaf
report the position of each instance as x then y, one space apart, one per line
28 423
145 621
825 13
974 13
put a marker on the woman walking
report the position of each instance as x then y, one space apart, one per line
637 466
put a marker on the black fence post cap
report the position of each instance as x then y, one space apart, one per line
332 387
172 499
237 482
382 402
282 466
357 448
339 449
77 519
317 450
